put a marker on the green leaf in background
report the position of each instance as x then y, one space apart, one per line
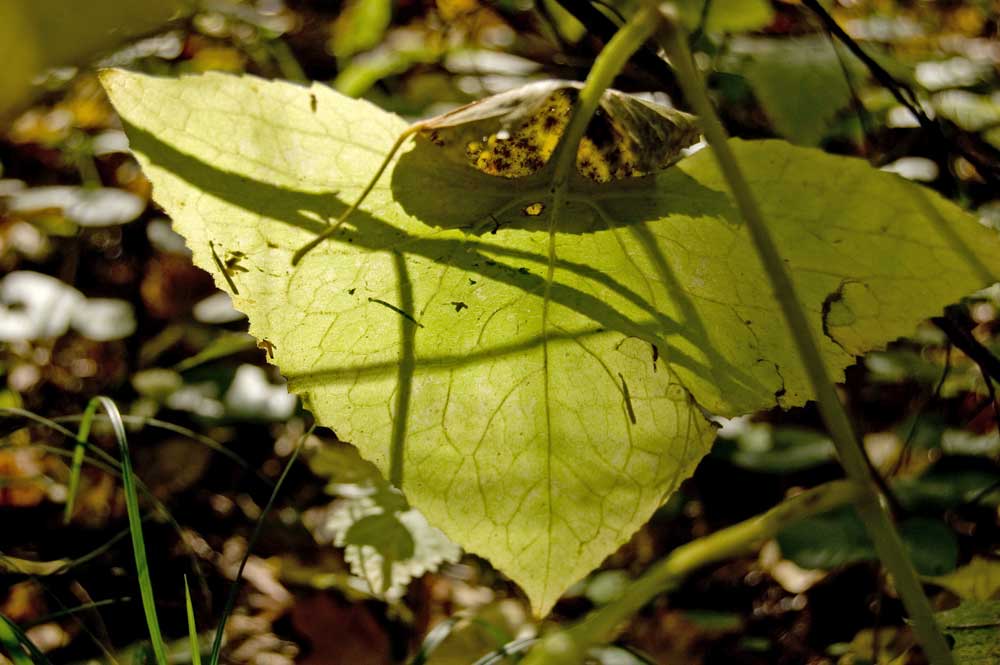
385 545
975 627
950 483
838 538
360 26
341 465
382 531
977 580
826 541
226 344
726 15
932 545
470 637
798 81
363 72
761 447
538 424
967 110
360 30
38 34
18 566
899 365
716 622
565 24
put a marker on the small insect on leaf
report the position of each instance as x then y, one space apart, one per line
268 348
534 209
514 134
227 269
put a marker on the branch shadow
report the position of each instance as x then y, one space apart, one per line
501 203
591 208
417 171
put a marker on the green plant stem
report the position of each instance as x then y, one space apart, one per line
609 62
192 627
76 467
135 529
599 626
18 646
879 525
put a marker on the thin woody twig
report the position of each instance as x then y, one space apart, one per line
983 157
960 335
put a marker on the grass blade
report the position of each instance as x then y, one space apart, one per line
82 434
192 628
13 419
102 642
135 529
433 640
234 590
10 417
70 611
208 442
21 650
508 650
101 460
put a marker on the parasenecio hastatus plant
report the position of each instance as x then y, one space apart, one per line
527 316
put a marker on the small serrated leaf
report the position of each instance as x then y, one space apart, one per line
384 532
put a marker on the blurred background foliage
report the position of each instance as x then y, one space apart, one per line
98 296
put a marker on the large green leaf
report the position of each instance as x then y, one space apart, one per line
537 423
